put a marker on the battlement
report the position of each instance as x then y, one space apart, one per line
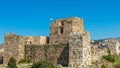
36 40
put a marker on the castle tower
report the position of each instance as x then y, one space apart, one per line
13 47
79 50
60 29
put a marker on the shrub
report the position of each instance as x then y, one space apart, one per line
42 64
24 61
103 66
117 65
109 58
12 63
93 63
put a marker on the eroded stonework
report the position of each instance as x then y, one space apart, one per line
79 50
14 45
60 29
69 32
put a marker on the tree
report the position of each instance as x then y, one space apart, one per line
12 63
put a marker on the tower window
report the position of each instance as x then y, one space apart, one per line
30 42
61 30
62 23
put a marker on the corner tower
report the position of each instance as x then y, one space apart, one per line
13 47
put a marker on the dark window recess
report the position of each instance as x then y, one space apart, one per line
62 23
61 30
30 42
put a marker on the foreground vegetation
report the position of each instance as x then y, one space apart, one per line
106 61
27 64
114 60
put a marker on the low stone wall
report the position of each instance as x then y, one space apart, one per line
97 53
56 54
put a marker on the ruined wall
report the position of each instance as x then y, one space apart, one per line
36 40
69 45
56 54
60 29
114 47
13 47
79 50
77 53
44 40
28 40
97 53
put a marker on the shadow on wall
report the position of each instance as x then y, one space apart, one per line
56 54
64 56
1 60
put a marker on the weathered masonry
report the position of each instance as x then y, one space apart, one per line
68 45
60 29
79 50
14 46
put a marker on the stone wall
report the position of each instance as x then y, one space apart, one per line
60 29
103 50
79 50
36 40
56 54
77 53
114 47
13 47
69 45
97 53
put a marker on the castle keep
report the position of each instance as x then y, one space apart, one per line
68 45
60 29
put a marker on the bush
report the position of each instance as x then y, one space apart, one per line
42 64
24 61
103 66
109 58
117 65
12 63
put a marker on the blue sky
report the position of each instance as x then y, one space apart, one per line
31 17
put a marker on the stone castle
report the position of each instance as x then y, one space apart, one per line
68 45
68 31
